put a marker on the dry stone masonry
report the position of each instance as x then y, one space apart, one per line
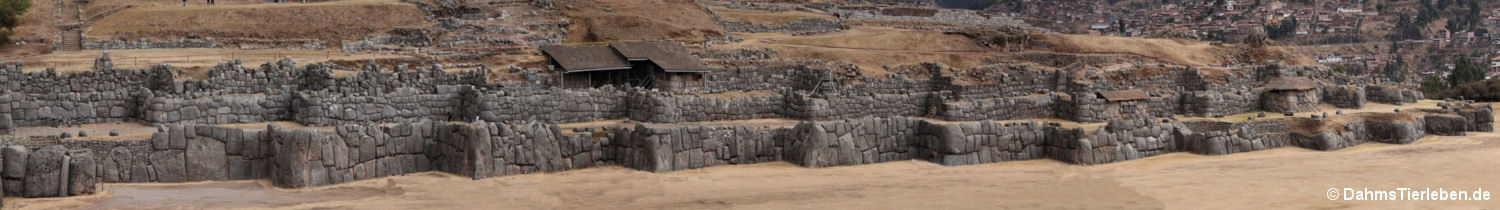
302 126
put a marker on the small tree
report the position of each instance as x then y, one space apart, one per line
1465 71
10 12
1395 70
1433 85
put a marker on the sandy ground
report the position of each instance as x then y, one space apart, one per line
98 131
1279 178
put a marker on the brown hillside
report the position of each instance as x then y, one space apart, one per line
1184 52
328 21
608 20
768 18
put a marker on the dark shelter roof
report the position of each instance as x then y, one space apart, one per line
585 58
670 56
1291 83
1124 95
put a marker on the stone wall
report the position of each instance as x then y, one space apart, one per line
668 108
49 171
991 141
379 124
554 105
808 90
1388 128
402 105
68 108
987 141
6 124
661 149
750 77
1344 96
851 142
1089 107
531 147
144 43
1121 140
801 105
799 26
1392 94
1219 138
1290 100
958 18
232 78
1012 108
316 156
1215 103
13 79
226 109
1013 84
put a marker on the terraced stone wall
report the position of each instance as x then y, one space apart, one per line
402 105
668 108
225 109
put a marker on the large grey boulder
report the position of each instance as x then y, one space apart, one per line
179 137
82 179
205 160
141 173
15 161
15 169
44 172
161 140
168 166
6 124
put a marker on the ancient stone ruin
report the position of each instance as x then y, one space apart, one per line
303 125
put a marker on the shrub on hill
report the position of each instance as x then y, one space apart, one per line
10 12
1487 90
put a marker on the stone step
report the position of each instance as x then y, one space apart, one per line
72 41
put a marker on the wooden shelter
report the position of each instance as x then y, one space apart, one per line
663 65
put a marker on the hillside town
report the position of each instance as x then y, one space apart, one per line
1372 24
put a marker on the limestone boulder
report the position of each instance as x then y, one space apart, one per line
205 160
82 179
168 166
44 172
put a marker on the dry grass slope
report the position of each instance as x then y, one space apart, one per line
892 39
609 20
328 21
764 17
1186 52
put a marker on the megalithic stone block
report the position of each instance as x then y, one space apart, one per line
44 172
15 161
15 169
205 160
6 124
168 166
